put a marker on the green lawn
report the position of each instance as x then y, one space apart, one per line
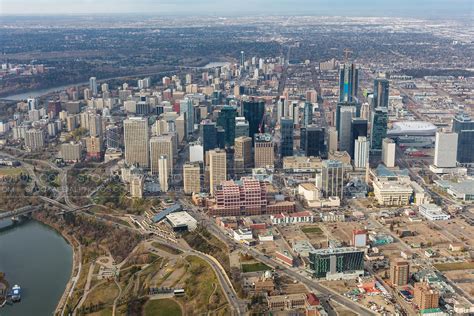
454 266
311 229
163 307
254 267
11 172
166 248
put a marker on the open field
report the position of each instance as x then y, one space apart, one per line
11 172
167 249
311 229
454 266
162 307
254 267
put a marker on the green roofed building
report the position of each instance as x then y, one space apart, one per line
336 260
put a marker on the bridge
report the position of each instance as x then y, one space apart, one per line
19 211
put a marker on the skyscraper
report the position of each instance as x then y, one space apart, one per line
242 153
113 137
226 120
381 93
254 112
264 152
208 135
161 146
388 152
307 114
348 83
93 86
345 120
332 173
217 168
332 139
191 178
445 150
135 131
463 125
286 137
241 127
361 152
379 129
358 128
313 141
187 108
163 173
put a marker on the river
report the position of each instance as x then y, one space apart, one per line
40 92
38 259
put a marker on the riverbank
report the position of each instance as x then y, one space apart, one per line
76 262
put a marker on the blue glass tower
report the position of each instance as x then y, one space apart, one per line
348 83
381 93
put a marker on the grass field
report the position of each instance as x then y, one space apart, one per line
163 307
11 172
254 267
311 229
166 248
454 266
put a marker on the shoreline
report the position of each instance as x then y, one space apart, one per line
72 242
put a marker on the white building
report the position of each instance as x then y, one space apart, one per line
242 234
182 221
292 218
388 152
196 152
163 173
445 150
433 212
361 152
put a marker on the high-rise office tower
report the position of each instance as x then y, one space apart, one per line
264 154
217 168
187 108
399 272
361 152
208 133
332 139
381 93
226 120
348 83
242 154
93 86
161 146
135 133
113 137
286 137
445 150
242 59
192 178
332 174
463 125
378 129
358 128
307 114
388 152
241 127
254 112
313 141
163 173
344 132
32 103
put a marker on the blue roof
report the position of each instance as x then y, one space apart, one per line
161 215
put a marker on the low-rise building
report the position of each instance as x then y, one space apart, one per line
243 234
432 212
299 217
181 221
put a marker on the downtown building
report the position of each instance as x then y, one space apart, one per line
463 125
136 142
334 263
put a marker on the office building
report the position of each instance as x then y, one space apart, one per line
307 114
361 152
226 120
332 139
312 141
445 150
264 154
93 86
34 139
71 151
378 129
388 152
324 262
425 297
163 174
187 109
242 154
346 113
217 168
95 125
348 83
208 134
191 178
399 272
32 103
113 137
136 141
286 137
241 127
332 176
381 93
54 107
358 128
254 111
463 125
161 146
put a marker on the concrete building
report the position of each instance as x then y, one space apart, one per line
34 139
71 151
136 186
336 261
182 221
241 127
136 141
191 178
445 150
163 174
433 212
332 174
425 297
295 164
217 168
196 152
264 152
242 154
361 152
161 146
388 152
399 272
332 139
94 147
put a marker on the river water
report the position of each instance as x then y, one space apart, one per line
38 259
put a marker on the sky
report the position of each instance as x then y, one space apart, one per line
402 8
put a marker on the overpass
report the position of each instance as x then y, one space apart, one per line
19 211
